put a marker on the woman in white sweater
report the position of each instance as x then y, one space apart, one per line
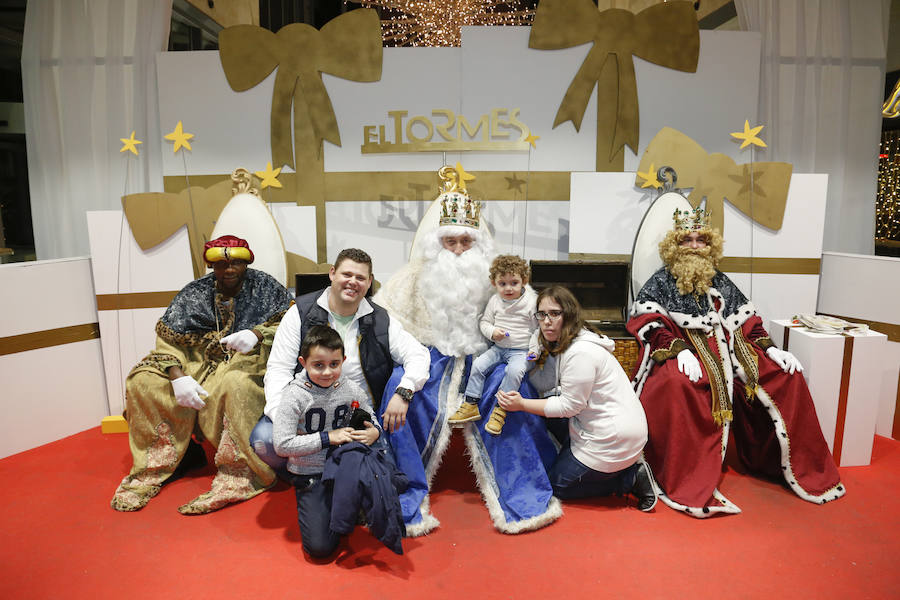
579 378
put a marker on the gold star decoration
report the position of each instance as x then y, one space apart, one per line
531 139
462 177
749 135
269 177
130 144
179 137
514 183
649 178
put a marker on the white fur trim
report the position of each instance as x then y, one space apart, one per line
487 485
701 512
784 441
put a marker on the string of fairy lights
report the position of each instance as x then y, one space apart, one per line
887 201
430 23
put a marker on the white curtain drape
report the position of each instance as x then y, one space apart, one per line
820 93
89 78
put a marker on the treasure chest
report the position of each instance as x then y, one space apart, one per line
601 288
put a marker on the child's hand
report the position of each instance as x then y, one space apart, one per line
336 437
367 436
531 356
498 335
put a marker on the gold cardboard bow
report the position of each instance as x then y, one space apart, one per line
348 46
758 189
665 34
155 216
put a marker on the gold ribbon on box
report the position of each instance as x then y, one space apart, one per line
665 34
348 46
757 189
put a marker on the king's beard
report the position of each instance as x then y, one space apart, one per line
693 270
455 290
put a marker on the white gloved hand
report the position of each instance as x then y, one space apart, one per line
784 359
689 365
242 341
188 392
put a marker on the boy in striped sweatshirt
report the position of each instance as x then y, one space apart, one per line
312 417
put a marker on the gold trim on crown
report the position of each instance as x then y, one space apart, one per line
458 209
691 220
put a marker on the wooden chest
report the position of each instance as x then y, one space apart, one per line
601 288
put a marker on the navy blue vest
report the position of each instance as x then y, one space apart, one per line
373 341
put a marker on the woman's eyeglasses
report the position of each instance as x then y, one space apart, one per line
553 314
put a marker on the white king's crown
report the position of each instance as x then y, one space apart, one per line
691 220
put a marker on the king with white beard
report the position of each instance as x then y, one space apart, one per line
439 297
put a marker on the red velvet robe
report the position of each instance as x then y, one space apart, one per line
775 427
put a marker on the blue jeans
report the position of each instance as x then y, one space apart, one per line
571 479
314 515
261 442
487 360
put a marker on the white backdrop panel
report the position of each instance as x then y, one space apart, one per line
298 228
50 393
46 294
119 266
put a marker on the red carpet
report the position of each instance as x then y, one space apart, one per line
60 539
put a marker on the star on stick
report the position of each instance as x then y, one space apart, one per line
179 137
749 135
269 177
462 177
130 144
531 139
649 178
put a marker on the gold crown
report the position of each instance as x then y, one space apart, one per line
457 208
691 220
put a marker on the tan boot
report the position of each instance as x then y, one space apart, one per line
495 423
466 412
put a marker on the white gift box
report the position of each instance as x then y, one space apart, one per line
844 378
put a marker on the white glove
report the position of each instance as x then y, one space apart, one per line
784 359
689 365
188 392
242 341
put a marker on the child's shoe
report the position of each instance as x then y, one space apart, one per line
466 412
495 423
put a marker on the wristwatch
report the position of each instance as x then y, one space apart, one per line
404 393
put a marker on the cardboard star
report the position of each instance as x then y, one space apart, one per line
462 177
749 135
269 177
531 139
649 177
179 137
130 144
514 183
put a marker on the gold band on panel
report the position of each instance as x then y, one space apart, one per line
373 186
134 300
49 338
733 264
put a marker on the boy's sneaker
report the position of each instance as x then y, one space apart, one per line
466 412
495 423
